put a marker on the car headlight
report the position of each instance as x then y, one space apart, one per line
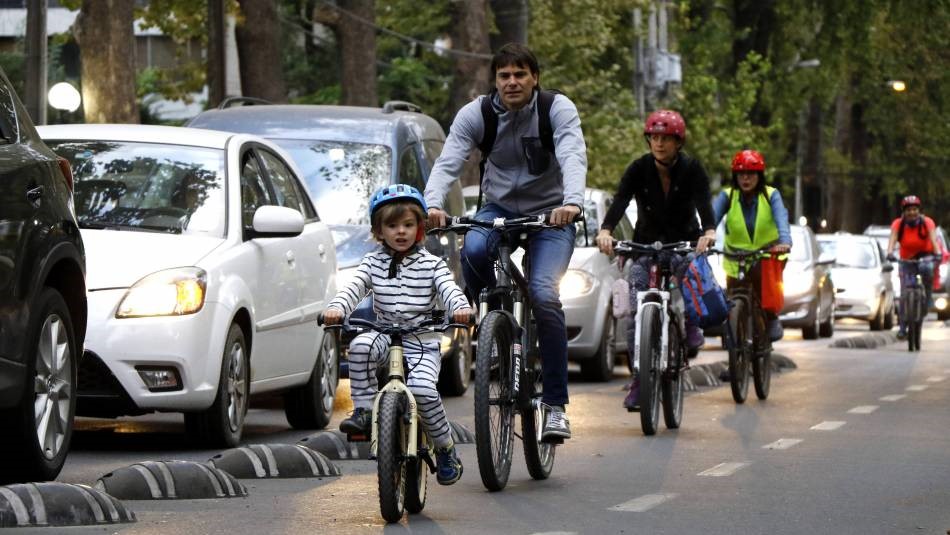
941 303
575 283
172 292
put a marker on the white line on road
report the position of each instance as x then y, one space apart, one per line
724 469
643 503
916 388
893 397
935 379
863 409
828 425
782 444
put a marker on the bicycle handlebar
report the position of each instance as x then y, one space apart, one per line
628 247
465 223
927 258
740 254
350 324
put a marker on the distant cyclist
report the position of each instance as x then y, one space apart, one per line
755 218
670 188
529 170
917 236
407 283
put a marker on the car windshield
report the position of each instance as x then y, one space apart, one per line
352 243
849 253
341 176
148 187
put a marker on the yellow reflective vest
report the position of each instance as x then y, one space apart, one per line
737 234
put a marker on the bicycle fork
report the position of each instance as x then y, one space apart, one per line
397 385
662 306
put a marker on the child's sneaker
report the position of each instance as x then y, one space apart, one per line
449 466
358 423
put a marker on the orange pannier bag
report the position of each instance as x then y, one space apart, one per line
773 291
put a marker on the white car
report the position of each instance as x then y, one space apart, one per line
207 266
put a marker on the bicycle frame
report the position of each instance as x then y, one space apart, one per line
396 384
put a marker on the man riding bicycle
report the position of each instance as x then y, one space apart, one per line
522 177
917 236
755 218
670 188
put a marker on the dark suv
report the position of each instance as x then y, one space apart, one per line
42 299
346 153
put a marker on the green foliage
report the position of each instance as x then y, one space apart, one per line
413 80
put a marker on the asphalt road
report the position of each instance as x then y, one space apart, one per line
852 441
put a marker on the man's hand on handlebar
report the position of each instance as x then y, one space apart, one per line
605 241
332 316
437 218
559 216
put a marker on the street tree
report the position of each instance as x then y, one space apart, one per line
259 49
471 73
105 35
353 23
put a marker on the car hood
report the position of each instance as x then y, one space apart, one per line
118 259
850 278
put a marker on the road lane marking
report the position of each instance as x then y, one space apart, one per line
893 397
916 388
724 469
643 503
863 409
782 444
935 379
828 425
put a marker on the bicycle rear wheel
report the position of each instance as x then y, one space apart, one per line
539 456
494 403
649 396
910 311
739 353
417 473
672 380
390 457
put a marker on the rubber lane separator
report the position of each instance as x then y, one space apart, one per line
828 425
643 503
724 469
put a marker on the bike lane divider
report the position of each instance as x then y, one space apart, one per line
783 444
893 397
863 409
916 388
643 503
828 425
724 469
935 379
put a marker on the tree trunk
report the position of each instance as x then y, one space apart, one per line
352 22
107 52
511 18
472 76
259 50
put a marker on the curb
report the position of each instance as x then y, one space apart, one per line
865 341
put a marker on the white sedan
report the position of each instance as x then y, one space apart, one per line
207 266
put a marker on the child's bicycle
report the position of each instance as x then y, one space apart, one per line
398 442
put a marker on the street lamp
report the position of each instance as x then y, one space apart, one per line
897 85
63 96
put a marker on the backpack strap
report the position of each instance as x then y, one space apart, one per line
489 131
545 131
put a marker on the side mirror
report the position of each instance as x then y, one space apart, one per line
277 222
826 259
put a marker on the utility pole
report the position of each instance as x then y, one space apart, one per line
35 87
217 73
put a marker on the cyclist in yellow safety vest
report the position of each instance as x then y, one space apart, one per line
755 218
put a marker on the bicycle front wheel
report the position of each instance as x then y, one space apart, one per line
539 456
494 402
649 396
739 353
390 457
672 380
417 473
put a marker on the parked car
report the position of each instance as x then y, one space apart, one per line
862 277
345 154
208 266
42 299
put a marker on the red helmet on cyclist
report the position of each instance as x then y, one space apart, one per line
910 200
748 160
665 122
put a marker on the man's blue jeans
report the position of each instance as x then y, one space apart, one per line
550 253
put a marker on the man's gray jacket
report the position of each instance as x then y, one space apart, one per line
507 181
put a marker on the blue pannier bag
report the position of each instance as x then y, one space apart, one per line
703 298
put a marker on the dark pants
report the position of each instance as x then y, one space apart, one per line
550 253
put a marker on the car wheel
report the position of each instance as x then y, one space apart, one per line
889 318
221 424
600 367
38 431
311 405
827 328
810 332
456 372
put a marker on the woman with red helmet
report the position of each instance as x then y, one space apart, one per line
756 218
917 236
670 188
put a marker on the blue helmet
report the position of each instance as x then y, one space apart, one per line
395 192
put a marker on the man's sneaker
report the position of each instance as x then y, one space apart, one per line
358 423
776 332
449 466
556 426
632 401
694 337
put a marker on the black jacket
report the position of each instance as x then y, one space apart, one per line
664 218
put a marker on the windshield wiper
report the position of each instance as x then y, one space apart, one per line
133 228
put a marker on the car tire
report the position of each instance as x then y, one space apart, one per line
810 332
600 367
23 458
880 319
456 372
221 424
311 405
826 329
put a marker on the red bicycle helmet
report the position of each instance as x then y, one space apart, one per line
748 160
665 122
910 200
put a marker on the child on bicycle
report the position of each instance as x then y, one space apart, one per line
408 283
755 217
916 234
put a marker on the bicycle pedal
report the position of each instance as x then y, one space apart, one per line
554 441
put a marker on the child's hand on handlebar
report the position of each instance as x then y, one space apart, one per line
463 315
605 241
332 316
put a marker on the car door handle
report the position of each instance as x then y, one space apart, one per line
34 195
322 250
291 258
